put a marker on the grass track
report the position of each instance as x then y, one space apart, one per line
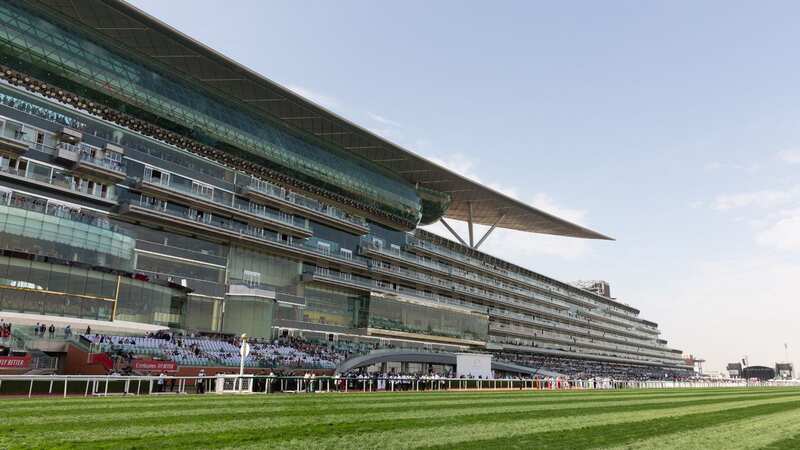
643 419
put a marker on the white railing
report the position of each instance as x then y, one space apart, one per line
110 385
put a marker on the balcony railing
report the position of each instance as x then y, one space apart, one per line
108 164
555 290
60 180
376 285
595 340
236 206
233 228
39 205
301 201
446 283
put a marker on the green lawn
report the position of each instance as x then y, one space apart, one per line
682 419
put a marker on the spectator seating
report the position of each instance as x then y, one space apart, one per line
586 369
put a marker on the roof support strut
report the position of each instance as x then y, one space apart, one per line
489 231
469 221
471 235
452 231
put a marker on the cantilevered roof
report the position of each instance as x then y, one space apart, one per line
134 31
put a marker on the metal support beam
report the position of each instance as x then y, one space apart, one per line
486 235
469 221
451 230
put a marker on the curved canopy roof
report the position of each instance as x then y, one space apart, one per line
131 30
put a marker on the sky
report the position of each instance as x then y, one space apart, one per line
671 126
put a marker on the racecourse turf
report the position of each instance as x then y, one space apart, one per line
730 418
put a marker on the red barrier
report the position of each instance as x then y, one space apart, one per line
102 358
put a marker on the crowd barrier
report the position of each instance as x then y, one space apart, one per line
77 385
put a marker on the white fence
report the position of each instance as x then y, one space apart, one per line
82 385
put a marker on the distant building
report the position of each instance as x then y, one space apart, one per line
784 371
735 370
760 372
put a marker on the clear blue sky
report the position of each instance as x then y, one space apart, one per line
671 126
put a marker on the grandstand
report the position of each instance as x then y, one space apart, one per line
149 185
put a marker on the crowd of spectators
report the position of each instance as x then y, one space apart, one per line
587 369
5 329
286 352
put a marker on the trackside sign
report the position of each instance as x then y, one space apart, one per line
155 365
15 362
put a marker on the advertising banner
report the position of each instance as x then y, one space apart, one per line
15 362
154 365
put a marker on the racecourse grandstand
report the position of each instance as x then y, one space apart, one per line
149 183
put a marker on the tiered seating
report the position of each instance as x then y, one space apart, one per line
209 352
586 369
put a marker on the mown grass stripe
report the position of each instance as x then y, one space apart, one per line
249 432
744 434
790 443
79 419
456 433
605 436
321 408
419 413
55 406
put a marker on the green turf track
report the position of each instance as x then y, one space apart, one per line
730 418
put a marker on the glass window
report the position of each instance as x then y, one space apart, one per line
39 172
420 319
251 315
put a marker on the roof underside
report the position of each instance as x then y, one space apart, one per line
134 31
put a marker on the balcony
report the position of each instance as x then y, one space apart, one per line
369 285
248 212
79 158
549 289
66 153
59 182
555 309
220 227
11 140
371 249
572 341
70 135
104 168
299 204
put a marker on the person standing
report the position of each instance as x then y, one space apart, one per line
201 382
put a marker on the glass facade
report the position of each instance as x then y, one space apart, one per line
141 301
55 289
334 307
248 314
204 314
181 240
414 318
259 268
62 231
32 43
